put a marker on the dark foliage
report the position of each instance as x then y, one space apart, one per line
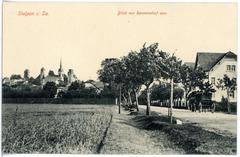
50 89
26 92
14 76
223 106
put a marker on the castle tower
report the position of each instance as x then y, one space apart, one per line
60 71
70 76
26 74
42 73
42 76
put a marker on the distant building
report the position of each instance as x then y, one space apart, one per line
60 79
216 65
71 77
26 74
60 71
95 84
51 77
6 81
40 78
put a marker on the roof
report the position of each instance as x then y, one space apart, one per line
207 60
96 84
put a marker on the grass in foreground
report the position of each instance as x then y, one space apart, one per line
53 129
193 139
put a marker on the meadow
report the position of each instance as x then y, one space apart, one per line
50 128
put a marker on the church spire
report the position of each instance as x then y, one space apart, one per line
60 70
61 63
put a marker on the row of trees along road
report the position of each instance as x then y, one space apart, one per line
129 73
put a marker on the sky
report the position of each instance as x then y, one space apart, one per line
84 34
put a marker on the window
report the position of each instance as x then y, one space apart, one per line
213 80
231 94
231 68
228 67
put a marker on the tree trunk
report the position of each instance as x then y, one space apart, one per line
228 104
168 105
120 97
136 96
130 99
185 98
148 102
125 99
171 102
180 103
116 101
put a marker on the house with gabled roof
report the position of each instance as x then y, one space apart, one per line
216 65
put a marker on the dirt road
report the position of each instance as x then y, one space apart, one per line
124 137
225 123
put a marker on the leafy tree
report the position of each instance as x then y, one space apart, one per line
109 71
151 61
15 76
191 78
107 92
50 89
229 84
132 80
207 89
173 65
162 92
112 74
76 86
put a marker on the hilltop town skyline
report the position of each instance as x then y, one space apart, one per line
66 70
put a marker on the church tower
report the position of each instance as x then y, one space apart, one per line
60 71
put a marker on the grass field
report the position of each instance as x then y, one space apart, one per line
99 129
47 128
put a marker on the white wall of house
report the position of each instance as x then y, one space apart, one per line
218 72
51 79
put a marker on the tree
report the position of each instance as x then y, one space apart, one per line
228 84
173 72
76 86
162 92
15 76
151 62
191 78
111 73
207 89
132 78
50 89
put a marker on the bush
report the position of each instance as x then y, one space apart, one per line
24 91
50 89
223 107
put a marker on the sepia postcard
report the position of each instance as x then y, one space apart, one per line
119 78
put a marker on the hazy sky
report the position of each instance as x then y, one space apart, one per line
84 34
